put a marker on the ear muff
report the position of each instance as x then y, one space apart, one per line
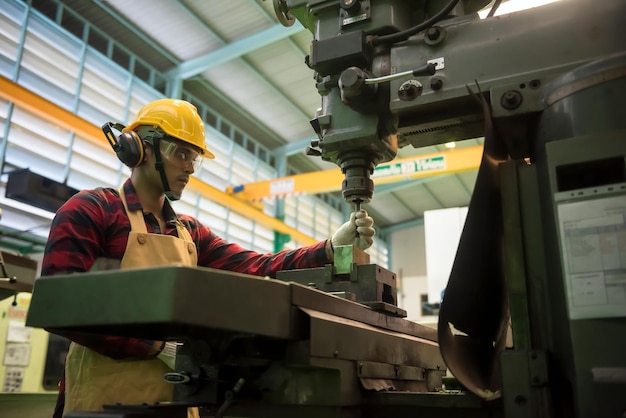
128 146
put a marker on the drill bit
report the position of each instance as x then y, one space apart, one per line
357 208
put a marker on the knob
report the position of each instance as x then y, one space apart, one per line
350 6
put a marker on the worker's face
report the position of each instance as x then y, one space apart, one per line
179 161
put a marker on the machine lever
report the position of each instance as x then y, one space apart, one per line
427 69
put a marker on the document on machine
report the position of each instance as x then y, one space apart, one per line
593 246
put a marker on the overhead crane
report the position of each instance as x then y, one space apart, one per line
414 167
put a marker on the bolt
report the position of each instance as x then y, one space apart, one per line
510 100
436 84
410 90
433 33
350 6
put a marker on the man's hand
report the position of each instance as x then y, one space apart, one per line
358 231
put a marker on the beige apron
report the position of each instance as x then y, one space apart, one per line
93 380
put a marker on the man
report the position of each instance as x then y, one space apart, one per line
138 226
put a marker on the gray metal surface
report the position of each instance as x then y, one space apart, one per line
472 52
369 283
369 343
587 344
293 346
162 303
579 158
305 297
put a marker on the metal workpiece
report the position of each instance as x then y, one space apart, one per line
352 278
346 256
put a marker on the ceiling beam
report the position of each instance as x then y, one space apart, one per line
292 148
229 52
233 50
133 28
401 226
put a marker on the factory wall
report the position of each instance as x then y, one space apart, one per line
422 257
408 261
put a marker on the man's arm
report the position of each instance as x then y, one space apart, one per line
215 252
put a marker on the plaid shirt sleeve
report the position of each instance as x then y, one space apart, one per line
215 252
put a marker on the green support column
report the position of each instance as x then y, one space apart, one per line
279 238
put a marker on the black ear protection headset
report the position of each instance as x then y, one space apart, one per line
130 149
128 146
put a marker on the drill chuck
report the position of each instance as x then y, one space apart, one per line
357 167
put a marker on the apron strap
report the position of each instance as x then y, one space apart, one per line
137 222
183 233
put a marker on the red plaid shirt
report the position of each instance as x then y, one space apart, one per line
93 224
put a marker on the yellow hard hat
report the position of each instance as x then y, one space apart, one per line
177 118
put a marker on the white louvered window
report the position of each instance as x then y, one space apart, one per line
103 91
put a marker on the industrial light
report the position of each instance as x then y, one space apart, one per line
511 6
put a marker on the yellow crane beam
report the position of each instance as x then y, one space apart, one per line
425 165
49 111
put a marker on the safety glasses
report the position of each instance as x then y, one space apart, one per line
181 155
